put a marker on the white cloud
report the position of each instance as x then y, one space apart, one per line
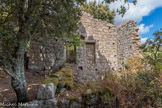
98 1
135 12
144 29
143 40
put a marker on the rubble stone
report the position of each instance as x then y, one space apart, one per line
46 91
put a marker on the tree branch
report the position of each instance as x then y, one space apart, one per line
9 73
5 68
6 18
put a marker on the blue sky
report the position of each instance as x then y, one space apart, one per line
147 13
155 19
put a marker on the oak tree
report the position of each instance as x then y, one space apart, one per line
22 21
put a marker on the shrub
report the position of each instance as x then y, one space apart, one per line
138 87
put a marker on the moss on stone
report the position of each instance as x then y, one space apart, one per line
74 98
57 74
66 77
54 75
51 80
69 74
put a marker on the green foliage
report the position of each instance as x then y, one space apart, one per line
86 96
71 54
152 50
24 21
137 87
60 85
51 80
122 9
71 43
148 83
99 11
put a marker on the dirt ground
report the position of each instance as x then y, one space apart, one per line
7 93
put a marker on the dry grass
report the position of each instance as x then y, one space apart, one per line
136 88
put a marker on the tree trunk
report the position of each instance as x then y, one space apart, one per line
21 90
19 83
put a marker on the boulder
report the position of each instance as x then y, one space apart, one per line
92 101
65 103
89 91
75 105
51 103
46 91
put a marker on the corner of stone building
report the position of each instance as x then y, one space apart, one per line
128 42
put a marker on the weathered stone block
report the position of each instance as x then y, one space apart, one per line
46 91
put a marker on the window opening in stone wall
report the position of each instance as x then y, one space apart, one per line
71 54
90 53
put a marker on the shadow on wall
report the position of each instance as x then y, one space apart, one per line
93 65
47 58
102 63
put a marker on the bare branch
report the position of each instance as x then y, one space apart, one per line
8 72
5 68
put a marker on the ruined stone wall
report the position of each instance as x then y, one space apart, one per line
128 42
100 39
47 57
106 47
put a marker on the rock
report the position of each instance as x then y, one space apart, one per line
93 96
89 91
75 105
92 101
62 90
59 78
46 91
36 68
65 103
80 99
67 95
51 103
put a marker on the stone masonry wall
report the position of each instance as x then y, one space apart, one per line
106 49
128 42
100 38
48 57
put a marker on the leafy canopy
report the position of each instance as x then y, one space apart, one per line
26 20
99 11
153 49
122 9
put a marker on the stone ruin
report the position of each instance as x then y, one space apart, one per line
106 49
